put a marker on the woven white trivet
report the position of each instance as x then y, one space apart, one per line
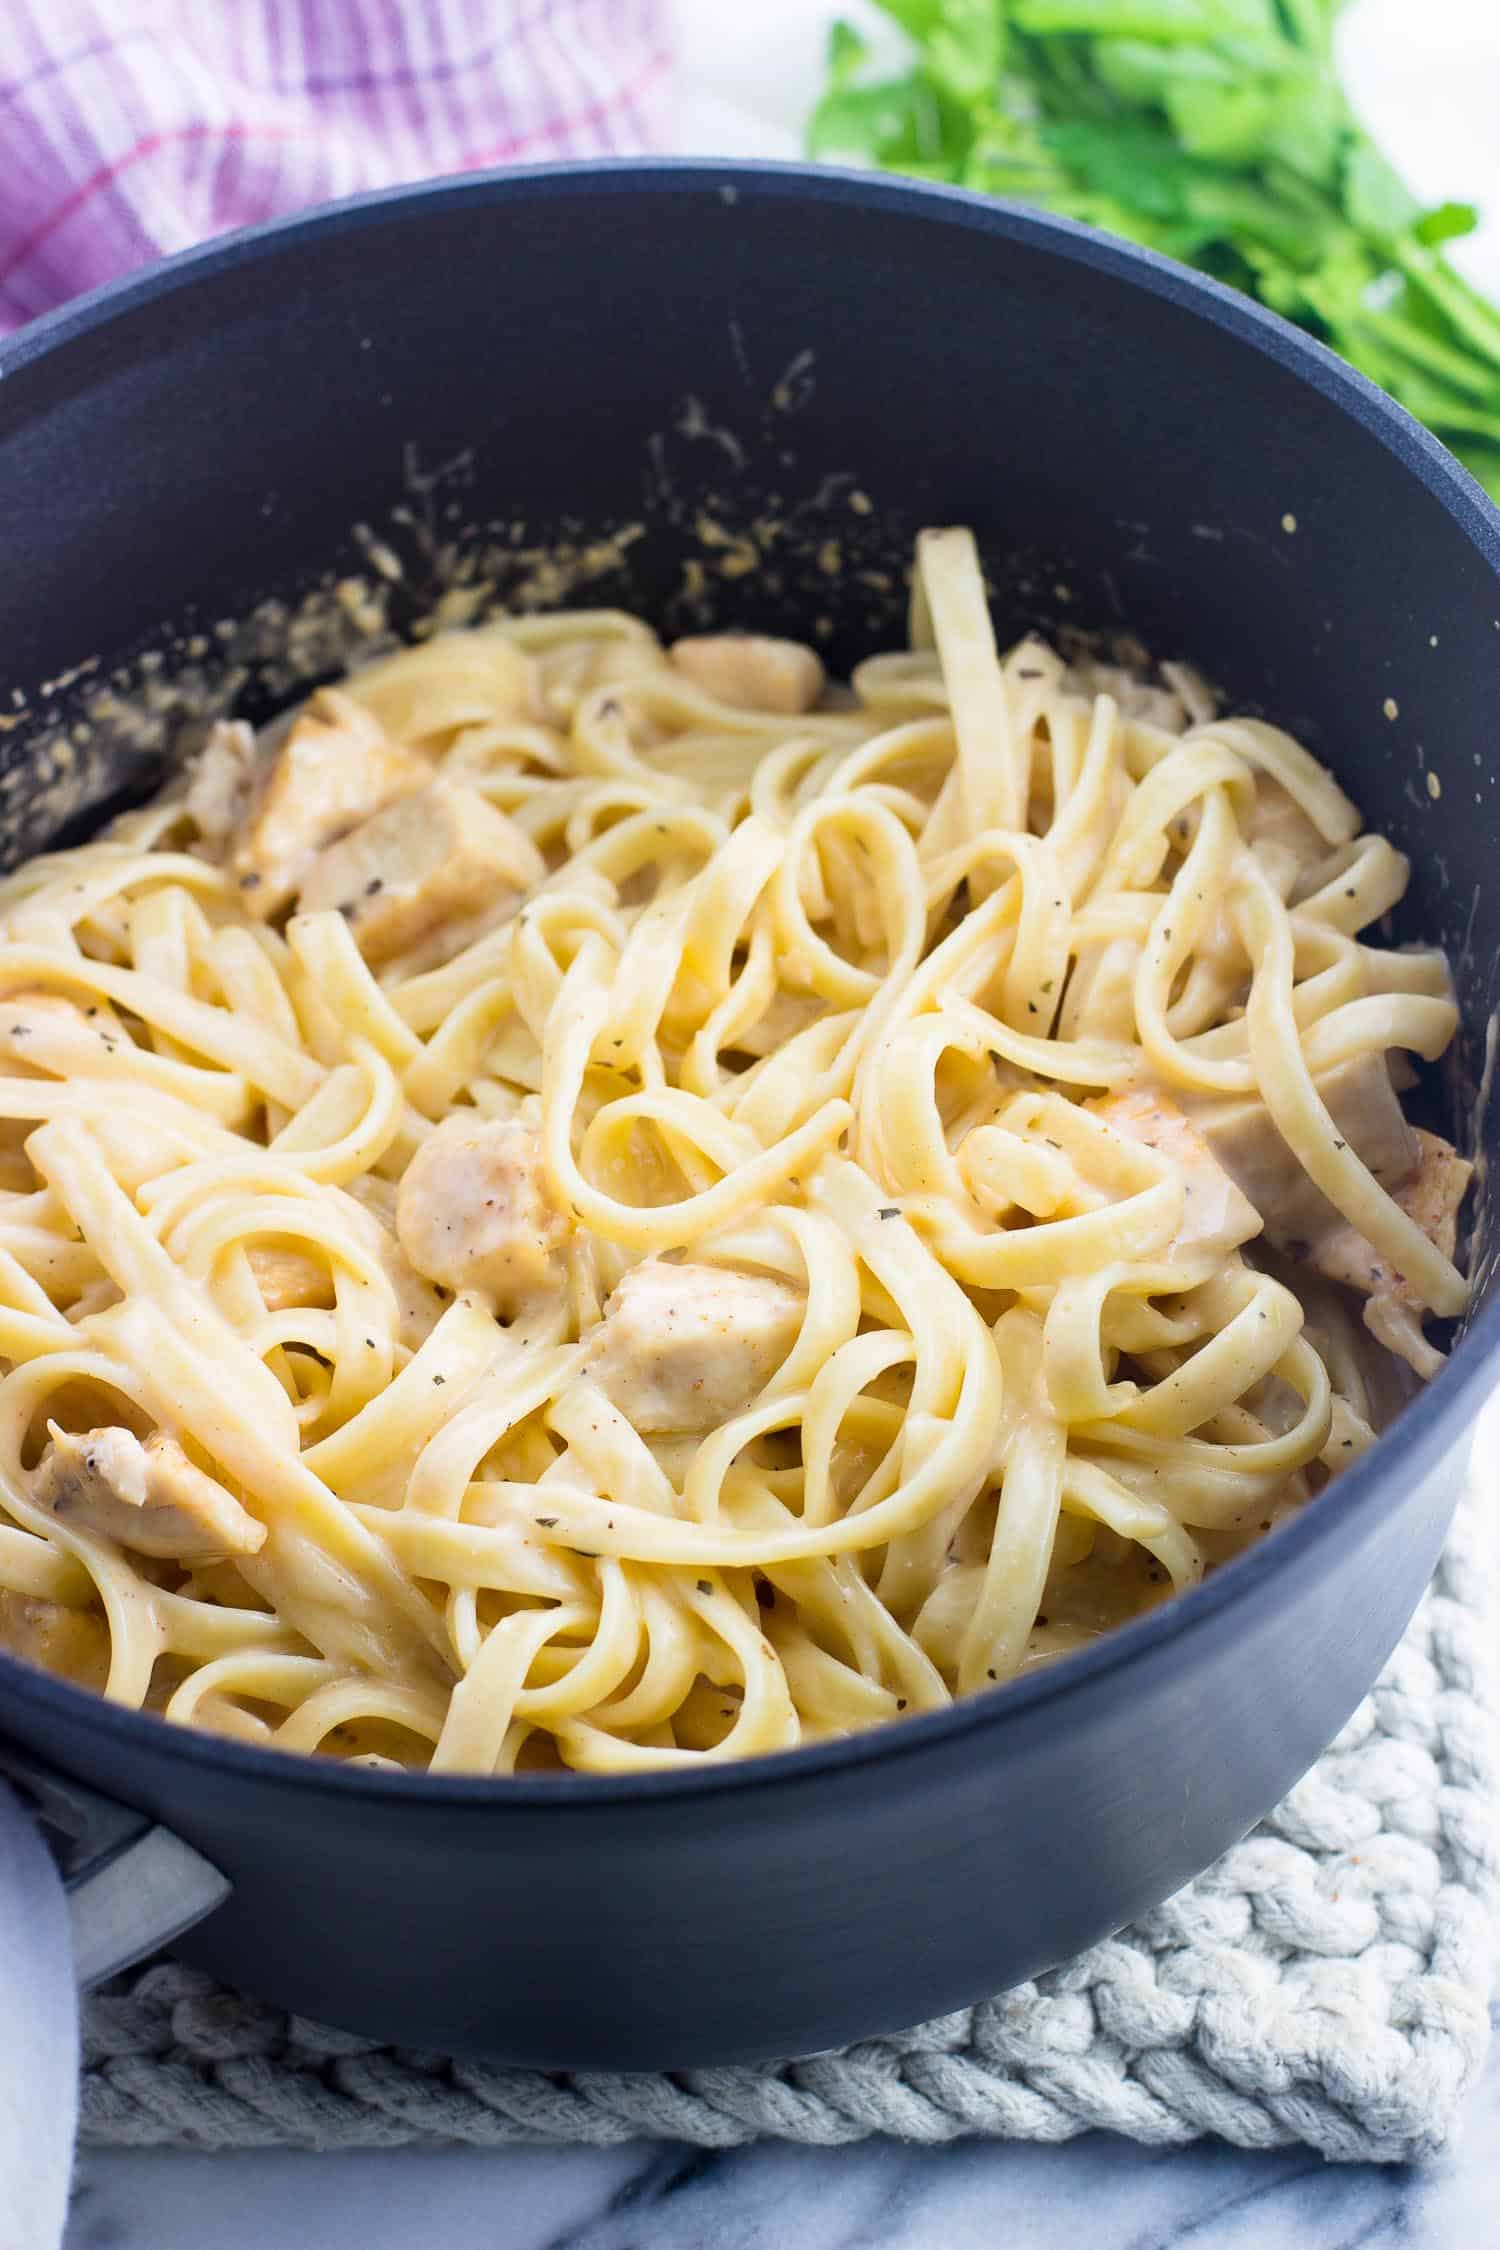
1327 1982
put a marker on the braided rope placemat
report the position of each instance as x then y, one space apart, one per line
1326 1982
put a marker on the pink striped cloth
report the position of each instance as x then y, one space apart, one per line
130 128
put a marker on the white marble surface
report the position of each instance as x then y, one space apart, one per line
1428 79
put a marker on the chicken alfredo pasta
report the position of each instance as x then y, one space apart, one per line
582 1202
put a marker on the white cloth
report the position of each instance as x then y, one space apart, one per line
38 2037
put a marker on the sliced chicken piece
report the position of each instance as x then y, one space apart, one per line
220 781
289 1277
149 1497
437 856
1284 840
1361 1100
752 670
474 1210
335 767
685 1347
1216 1216
1433 1198
73 1643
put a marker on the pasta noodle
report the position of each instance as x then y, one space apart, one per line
579 1203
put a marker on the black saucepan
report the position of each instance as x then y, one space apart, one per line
735 392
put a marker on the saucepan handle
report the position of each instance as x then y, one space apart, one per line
132 1885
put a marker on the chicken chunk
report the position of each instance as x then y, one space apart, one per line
220 781
334 769
474 1210
73 1643
437 856
149 1497
1361 1100
684 1347
1432 1198
751 669
1216 1216
1393 1309
289 1277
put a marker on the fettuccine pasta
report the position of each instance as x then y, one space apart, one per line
581 1203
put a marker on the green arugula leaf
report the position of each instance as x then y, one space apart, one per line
1376 199
1175 20
1445 222
917 18
1310 23
965 47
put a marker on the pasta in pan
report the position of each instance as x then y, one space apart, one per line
578 1203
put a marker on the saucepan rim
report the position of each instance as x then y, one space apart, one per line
1430 1425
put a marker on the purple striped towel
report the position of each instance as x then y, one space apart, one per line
130 128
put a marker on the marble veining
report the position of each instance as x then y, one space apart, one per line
1097 2193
